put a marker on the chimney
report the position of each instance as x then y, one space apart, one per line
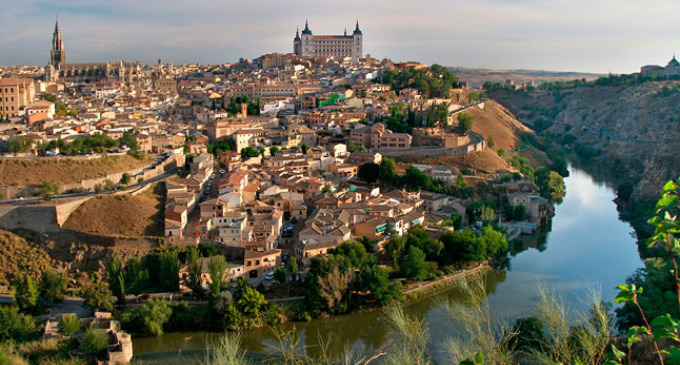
244 109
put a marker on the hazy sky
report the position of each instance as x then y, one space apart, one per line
569 35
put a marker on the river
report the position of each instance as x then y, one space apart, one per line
588 248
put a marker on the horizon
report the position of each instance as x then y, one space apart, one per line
611 37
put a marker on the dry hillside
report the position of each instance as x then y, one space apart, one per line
20 256
121 214
497 122
25 172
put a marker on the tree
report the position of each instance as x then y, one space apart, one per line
280 274
274 150
154 314
69 324
414 266
136 279
249 152
25 293
125 178
53 285
376 280
293 267
116 278
49 97
252 302
304 147
388 171
369 172
217 266
128 140
194 268
98 297
464 123
94 341
18 144
48 189
169 270
550 184
334 285
14 325
491 143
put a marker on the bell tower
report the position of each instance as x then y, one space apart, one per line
57 55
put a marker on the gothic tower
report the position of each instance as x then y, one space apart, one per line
57 55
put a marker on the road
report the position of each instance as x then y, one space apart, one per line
31 201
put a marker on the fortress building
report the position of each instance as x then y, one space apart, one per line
58 69
306 44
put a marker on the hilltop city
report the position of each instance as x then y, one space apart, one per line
286 187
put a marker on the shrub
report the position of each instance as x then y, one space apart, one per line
69 324
94 341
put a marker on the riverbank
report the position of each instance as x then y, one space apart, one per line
588 247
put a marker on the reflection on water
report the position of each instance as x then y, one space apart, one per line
586 247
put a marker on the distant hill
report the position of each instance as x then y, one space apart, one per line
475 77
631 131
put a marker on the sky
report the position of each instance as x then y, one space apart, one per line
599 36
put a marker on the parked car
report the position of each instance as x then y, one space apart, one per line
222 172
143 297
269 276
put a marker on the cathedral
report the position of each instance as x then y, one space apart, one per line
306 44
58 70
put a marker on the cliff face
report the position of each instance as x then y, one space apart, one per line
633 130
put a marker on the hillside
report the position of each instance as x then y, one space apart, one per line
475 77
26 172
20 256
120 215
632 131
493 121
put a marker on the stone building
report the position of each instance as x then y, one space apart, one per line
306 44
15 95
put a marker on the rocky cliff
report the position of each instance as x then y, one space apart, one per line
631 130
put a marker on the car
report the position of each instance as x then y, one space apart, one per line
143 297
18 199
269 276
222 172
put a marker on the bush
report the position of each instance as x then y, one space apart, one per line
69 324
14 325
94 341
53 285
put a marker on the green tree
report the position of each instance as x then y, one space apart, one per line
128 140
25 293
376 280
388 171
414 266
304 147
217 266
49 97
53 285
369 172
69 324
274 150
249 152
154 314
169 270
550 184
252 302
98 297
94 341
293 267
125 178
194 268
18 144
14 325
280 274
48 189
116 278
464 123
136 279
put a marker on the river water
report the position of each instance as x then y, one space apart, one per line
587 248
